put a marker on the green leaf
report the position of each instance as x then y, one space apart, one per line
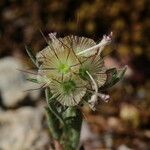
121 72
32 80
111 71
72 128
70 112
113 77
31 55
53 124
52 107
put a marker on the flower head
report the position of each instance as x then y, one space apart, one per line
71 66
68 91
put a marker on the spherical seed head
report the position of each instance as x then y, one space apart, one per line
70 91
57 61
79 44
95 66
72 66
64 71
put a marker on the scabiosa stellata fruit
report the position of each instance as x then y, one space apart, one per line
71 66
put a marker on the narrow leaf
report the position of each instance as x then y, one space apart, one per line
121 72
31 55
114 76
52 107
32 80
53 124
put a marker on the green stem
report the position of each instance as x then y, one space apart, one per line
72 129
65 127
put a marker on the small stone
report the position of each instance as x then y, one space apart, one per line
124 147
130 115
22 129
13 82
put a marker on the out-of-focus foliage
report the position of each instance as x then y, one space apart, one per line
20 21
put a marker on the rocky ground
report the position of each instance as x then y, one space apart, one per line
22 116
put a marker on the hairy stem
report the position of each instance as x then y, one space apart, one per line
72 129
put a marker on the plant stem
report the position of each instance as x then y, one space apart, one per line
72 129
65 126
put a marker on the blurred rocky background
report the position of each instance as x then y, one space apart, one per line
121 124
